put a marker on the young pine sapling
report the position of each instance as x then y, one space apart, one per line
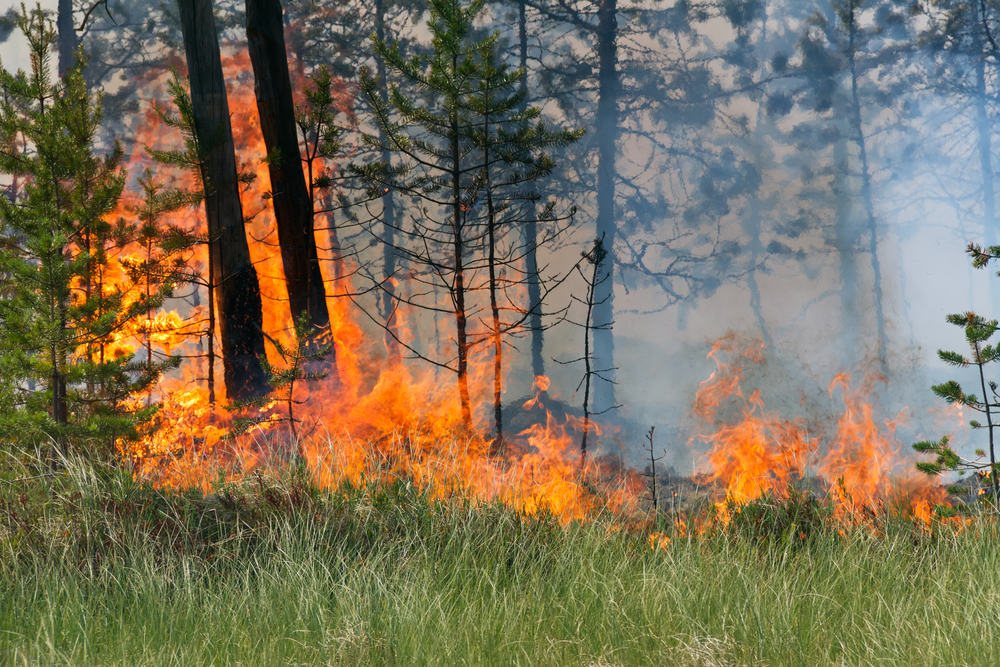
297 358
978 332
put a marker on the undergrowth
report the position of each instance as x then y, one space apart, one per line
99 569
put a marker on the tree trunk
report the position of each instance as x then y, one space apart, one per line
458 286
388 303
67 35
985 142
867 198
752 221
846 244
237 292
293 207
607 133
531 225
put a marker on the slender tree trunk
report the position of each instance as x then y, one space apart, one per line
389 217
587 369
458 287
237 292
985 142
60 406
607 133
67 35
210 350
498 445
293 207
531 225
752 222
867 198
846 243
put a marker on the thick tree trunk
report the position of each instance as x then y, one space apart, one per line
530 227
237 292
607 133
67 35
293 207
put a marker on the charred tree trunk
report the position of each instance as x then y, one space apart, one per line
67 35
237 292
531 225
293 207
607 133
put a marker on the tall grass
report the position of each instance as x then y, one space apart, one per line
98 570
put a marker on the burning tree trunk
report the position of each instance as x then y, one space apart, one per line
237 292
293 207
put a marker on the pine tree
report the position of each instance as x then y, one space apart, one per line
978 332
467 148
160 263
51 319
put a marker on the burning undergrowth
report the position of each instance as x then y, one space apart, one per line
844 452
381 418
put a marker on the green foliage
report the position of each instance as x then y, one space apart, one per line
316 121
788 521
978 331
63 380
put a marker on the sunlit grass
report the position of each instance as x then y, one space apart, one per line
98 570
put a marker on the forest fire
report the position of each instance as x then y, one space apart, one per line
380 417
375 415
755 454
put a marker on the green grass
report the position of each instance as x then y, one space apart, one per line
98 570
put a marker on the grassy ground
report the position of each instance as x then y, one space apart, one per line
98 570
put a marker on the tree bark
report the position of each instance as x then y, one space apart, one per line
293 207
531 225
607 132
389 218
237 292
458 287
867 198
67 36
985 144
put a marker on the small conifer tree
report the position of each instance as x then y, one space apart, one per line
978 332
53 235
298 357
466 148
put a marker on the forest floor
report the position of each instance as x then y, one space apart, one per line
96 569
